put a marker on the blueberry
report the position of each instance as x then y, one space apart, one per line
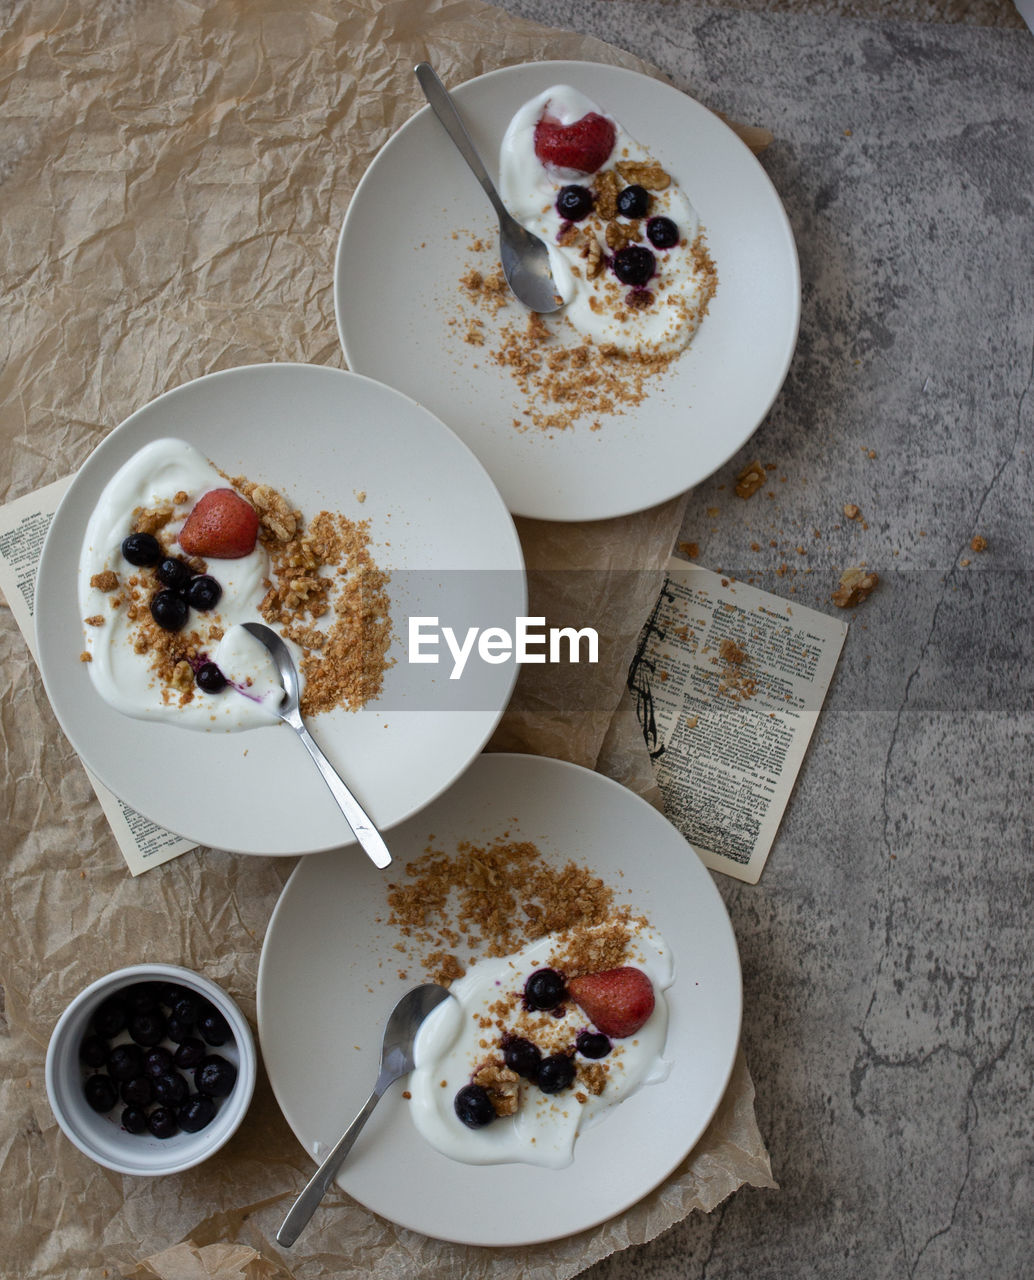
138 1092
178 1031
111 1017
574 203
634 264
214 1028
148 1029
93 1051
662 234
141 997
162 1122
169 610
134 1120
141 549
474 1107
195 1113
185 1008
593 1044
174 573
171 992
555 1073
100 1093
189 1053
544 989
157 1061
633 202
214 1076
522 1056
170 1088
125 1062
210 678
203 593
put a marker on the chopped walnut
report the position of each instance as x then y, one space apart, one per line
855 586
607 189
593 255
618 234
750 480
502 1086
644 173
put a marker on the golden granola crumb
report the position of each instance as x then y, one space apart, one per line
506 895
593 1076
855 586
690 549
106 581
852 511
978 543
85 657
750 480
95 620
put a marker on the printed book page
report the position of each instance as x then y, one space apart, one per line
23 530
728 682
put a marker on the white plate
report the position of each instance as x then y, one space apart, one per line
320 436
328 977
396 285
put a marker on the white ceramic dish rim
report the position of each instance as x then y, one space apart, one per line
478 1205
154 1156
537 481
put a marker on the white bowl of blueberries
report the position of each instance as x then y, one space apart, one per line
151 1069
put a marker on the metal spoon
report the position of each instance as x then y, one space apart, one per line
524 256
362 826
396 1060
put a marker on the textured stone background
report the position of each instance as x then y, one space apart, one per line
889 1023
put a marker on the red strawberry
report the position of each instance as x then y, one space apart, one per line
616 1001
222 525
583 145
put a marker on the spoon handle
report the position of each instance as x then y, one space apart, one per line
358 819
319 1184
442 106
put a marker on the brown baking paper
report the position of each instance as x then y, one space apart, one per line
173 178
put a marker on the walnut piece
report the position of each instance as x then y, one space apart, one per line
644 173
750 479
855 586
502 1086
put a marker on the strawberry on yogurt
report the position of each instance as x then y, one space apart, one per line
162 619
514 1065
625 244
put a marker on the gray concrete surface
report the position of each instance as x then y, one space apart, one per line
889 1021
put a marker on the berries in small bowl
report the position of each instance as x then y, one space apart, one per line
138 1108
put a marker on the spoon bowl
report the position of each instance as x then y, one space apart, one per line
362 825
400 1031
524 257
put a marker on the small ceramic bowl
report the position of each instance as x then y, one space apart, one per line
102 1136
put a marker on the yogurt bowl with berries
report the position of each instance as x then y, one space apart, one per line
163 614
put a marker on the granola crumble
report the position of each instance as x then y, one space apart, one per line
325 593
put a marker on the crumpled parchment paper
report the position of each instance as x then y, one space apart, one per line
173 179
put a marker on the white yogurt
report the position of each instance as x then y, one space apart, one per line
123 677
449 1050
596 307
